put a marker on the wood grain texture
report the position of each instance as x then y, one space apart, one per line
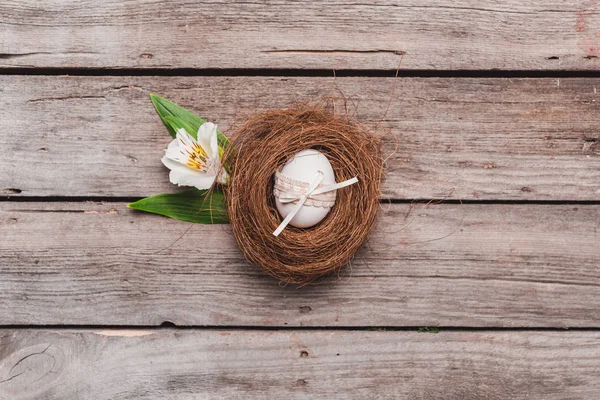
171 364
333 34
439 265
489 139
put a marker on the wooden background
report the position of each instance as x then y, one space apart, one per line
491 291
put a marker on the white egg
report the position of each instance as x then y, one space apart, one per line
303 167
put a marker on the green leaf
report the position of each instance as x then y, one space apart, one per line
198 206
167 109
177 123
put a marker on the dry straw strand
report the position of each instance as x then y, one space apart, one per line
263 145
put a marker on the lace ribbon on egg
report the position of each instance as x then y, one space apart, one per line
288 190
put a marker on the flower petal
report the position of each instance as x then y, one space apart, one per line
206 134
185 176
174 152
174 145
191 178
214 145
223 177
187 139
172 164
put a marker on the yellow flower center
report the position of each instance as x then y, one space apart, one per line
196 156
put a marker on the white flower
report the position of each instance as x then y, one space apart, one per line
195 162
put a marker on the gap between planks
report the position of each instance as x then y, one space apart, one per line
169 326
317 73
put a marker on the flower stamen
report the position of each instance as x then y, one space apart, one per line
196 158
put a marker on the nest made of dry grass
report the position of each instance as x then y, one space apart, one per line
263 145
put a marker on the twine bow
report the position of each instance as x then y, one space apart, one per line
314 189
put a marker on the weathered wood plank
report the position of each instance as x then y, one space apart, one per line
175 364
448 265
333 34
524 139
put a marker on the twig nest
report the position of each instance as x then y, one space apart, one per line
296 142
